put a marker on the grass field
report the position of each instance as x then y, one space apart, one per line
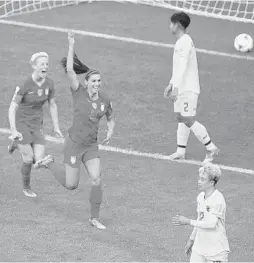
140 195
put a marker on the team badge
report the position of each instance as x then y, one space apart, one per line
17 89
39 92
207 208
102 107
73 159
47 92
94 105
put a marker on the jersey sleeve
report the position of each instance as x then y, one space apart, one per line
19 91
180 61
109 112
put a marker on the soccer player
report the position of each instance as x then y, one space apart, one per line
208 241
26 117
81 145
184 90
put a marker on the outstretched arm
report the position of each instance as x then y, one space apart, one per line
69 67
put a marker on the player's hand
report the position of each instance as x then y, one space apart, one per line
188 247
168 90
180 220
108 138
15 135
174 94
71 38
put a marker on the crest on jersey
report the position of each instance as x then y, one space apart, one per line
207 208
47 92
94 105
39 92
17 89
102 107
73 159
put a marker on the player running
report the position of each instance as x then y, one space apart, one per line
208 241
184 90
26 117
81 145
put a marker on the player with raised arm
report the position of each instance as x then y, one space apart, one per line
81 145
184 90
208 241
26 117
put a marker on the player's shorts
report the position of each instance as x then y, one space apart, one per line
31 136
221 257
75 153
186 104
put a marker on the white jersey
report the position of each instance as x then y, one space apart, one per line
210 242
185 66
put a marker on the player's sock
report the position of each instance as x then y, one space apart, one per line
202 135
58 171
26 174
95 200
183 133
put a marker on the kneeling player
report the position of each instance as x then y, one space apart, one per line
208 241
26 117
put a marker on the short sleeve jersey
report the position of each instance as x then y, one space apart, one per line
185 74
210 242
30 112
87 114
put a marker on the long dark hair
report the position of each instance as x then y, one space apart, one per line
78 66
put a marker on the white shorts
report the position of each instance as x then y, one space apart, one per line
186 104
221 257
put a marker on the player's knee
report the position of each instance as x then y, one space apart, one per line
27 157
189 121
96 179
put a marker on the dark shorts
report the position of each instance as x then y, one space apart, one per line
75 153
32 137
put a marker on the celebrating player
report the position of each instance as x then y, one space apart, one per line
184 90
81 145
26 117
208 241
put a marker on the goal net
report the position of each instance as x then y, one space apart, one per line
235 10
16 7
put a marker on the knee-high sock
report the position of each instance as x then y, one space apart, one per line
202 135
26 174
183 133
95 200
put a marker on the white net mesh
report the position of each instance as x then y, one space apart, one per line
237 10
15 7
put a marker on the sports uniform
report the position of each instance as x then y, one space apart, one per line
211 244
29 116
185 76
81 143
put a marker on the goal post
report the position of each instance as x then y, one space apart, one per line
234 10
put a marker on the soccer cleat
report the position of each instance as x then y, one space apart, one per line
211 154
177 156
44 162
28 192
96 223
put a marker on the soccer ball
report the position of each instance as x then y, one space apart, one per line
243 43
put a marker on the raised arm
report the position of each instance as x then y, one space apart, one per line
69 67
